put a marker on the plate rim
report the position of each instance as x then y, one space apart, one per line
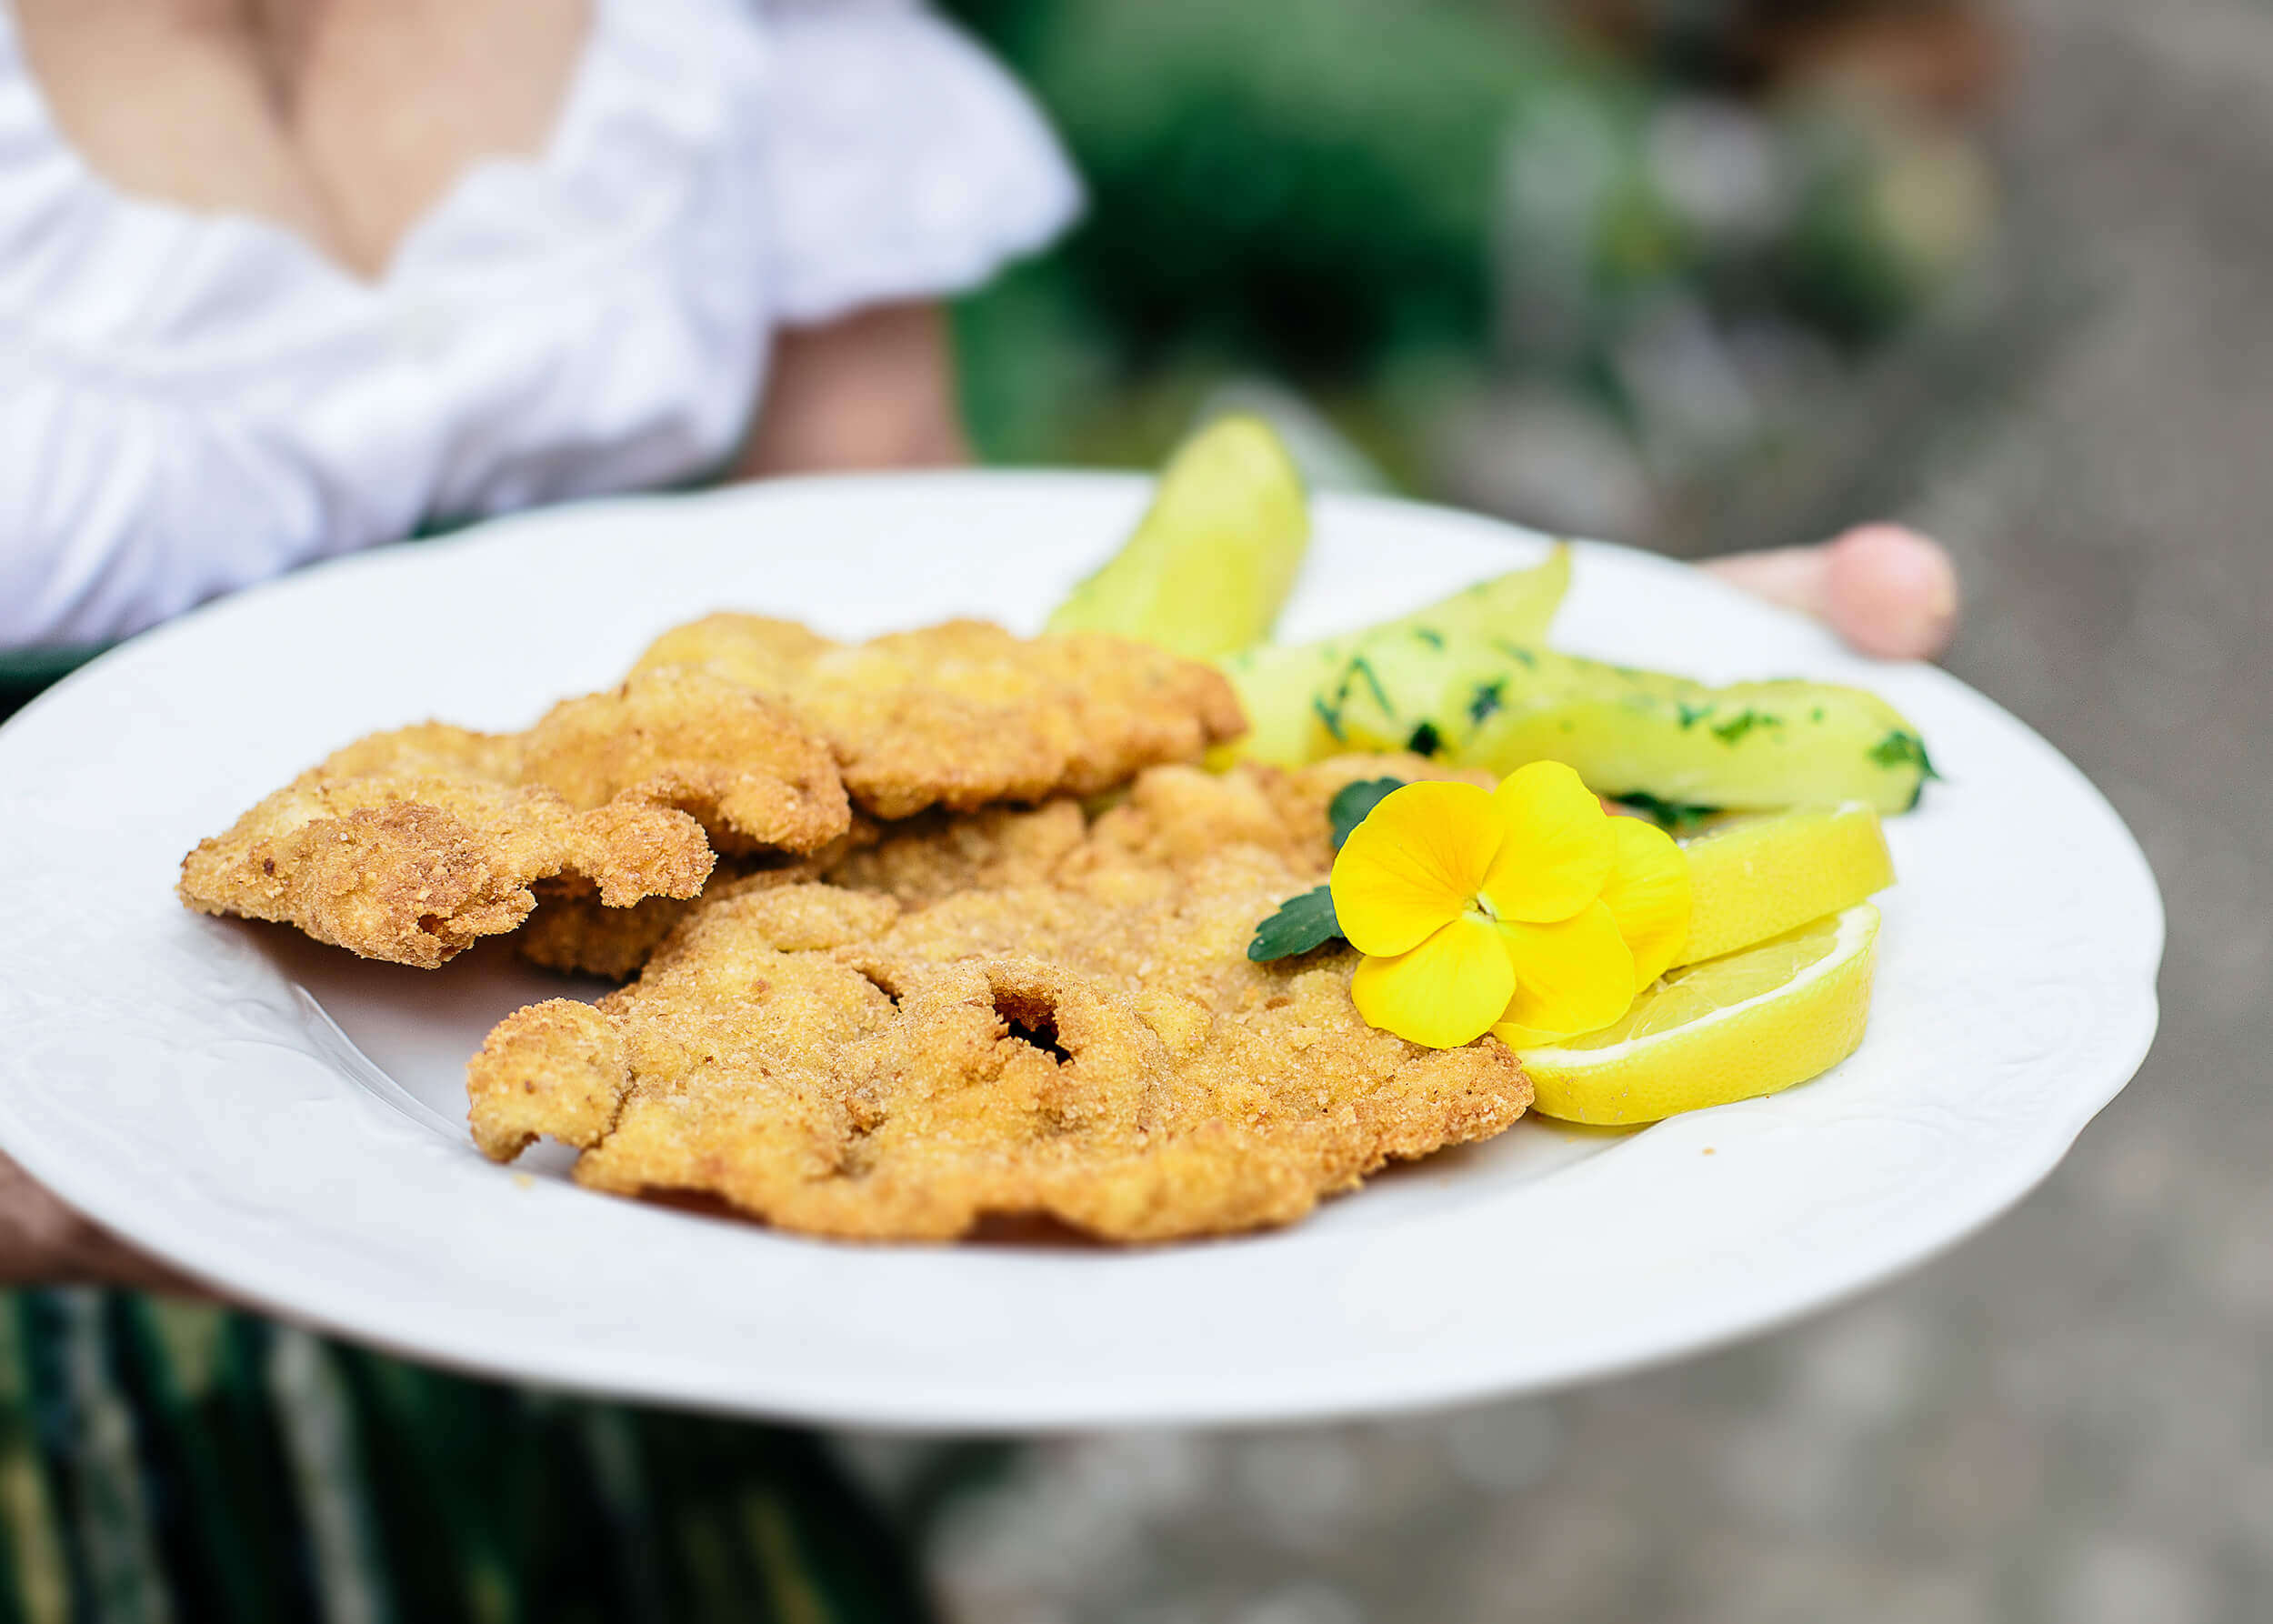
265 1281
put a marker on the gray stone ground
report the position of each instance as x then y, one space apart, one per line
2067 1419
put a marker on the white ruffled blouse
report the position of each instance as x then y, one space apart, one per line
191 402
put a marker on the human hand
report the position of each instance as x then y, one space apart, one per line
1887 592
44 1242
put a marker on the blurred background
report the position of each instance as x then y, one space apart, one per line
1697 274
1683 272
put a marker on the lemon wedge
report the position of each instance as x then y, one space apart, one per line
1729 1029
1751 878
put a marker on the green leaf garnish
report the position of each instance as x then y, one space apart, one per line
1308 921
1675 817
1301 924
1353 802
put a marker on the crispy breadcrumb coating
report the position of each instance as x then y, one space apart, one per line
409 846
739 763
413 868
1024 1013
962 714
576 933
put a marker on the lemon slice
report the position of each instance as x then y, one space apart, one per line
1751 878
1729 1029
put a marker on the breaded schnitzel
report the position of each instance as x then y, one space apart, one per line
964 714
411 845
1025 1014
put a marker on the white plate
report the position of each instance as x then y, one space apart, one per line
288 1121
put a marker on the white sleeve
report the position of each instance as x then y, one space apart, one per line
120 508
902 161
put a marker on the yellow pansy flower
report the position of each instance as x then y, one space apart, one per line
1525 911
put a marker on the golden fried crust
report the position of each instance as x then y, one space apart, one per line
962 714
1082 1038
574 932
925 860
685 739
409 846
577 1103
413 868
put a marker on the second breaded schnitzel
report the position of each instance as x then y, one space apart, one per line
1024 1014
962 714
411 845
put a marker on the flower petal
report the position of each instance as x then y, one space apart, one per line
1649 896
1571 977
1443 992
1521 1037
1556 848
1413 866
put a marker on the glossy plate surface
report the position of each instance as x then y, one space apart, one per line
288 1121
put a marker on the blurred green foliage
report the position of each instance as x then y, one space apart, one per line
1303 189
1394 204
1308 182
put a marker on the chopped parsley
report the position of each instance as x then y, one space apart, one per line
1900 748
1675 817
1737 726
1360 666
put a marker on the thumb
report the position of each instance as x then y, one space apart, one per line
1887 591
